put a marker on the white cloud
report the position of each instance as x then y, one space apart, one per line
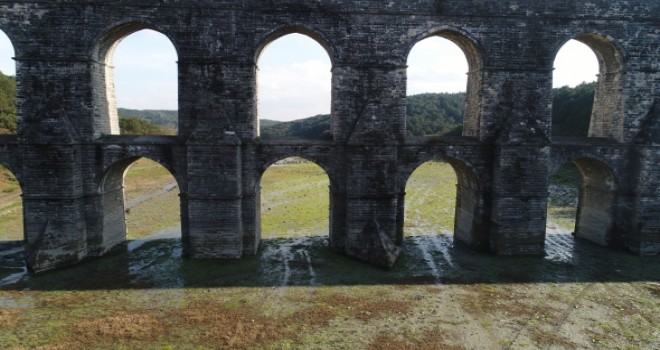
146 72
7 64
436 65
292 86
575 63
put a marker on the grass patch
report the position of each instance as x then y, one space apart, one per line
146 181
218 326
11 207
429 340
294 199
563 197
159 213
120 327
430 199
8 182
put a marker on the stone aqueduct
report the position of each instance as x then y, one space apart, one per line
70 161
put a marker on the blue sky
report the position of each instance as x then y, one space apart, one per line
294 72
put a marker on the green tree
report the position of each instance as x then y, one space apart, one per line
571 110
7 104
136 126
434 114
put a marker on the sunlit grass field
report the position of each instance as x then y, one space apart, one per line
151 197
11 209
295 200
430 199
295 197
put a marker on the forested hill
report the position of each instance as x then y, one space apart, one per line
427 114
316 127
571 110
7 104
442 114
434 114
163 118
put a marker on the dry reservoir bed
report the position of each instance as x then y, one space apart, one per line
296 294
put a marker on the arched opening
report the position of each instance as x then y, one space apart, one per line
151 201
563 197
582 201
295 212
140 78
441 206
294 88
140 201
596 203
443 80
8 123
294 199
587 79
430 202
12 236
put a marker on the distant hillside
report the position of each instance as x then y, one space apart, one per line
137 126
268 122
317 127
427 114
442 114
164 118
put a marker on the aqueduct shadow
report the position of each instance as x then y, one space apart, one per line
157 264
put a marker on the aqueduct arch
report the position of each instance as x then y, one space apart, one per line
63 142
318 41
107 119
474 57
608 110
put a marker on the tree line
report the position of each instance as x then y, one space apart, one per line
442 114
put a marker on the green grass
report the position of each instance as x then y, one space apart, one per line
294 200
11 208
143 179
562 216
430 199
562 208
8 182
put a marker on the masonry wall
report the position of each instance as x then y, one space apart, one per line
65 117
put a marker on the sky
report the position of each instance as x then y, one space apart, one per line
294 72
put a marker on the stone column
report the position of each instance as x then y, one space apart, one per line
49 143
370 123
520 107
338 203
642 234
471 226
213 202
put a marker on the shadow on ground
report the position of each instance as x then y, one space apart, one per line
307 261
